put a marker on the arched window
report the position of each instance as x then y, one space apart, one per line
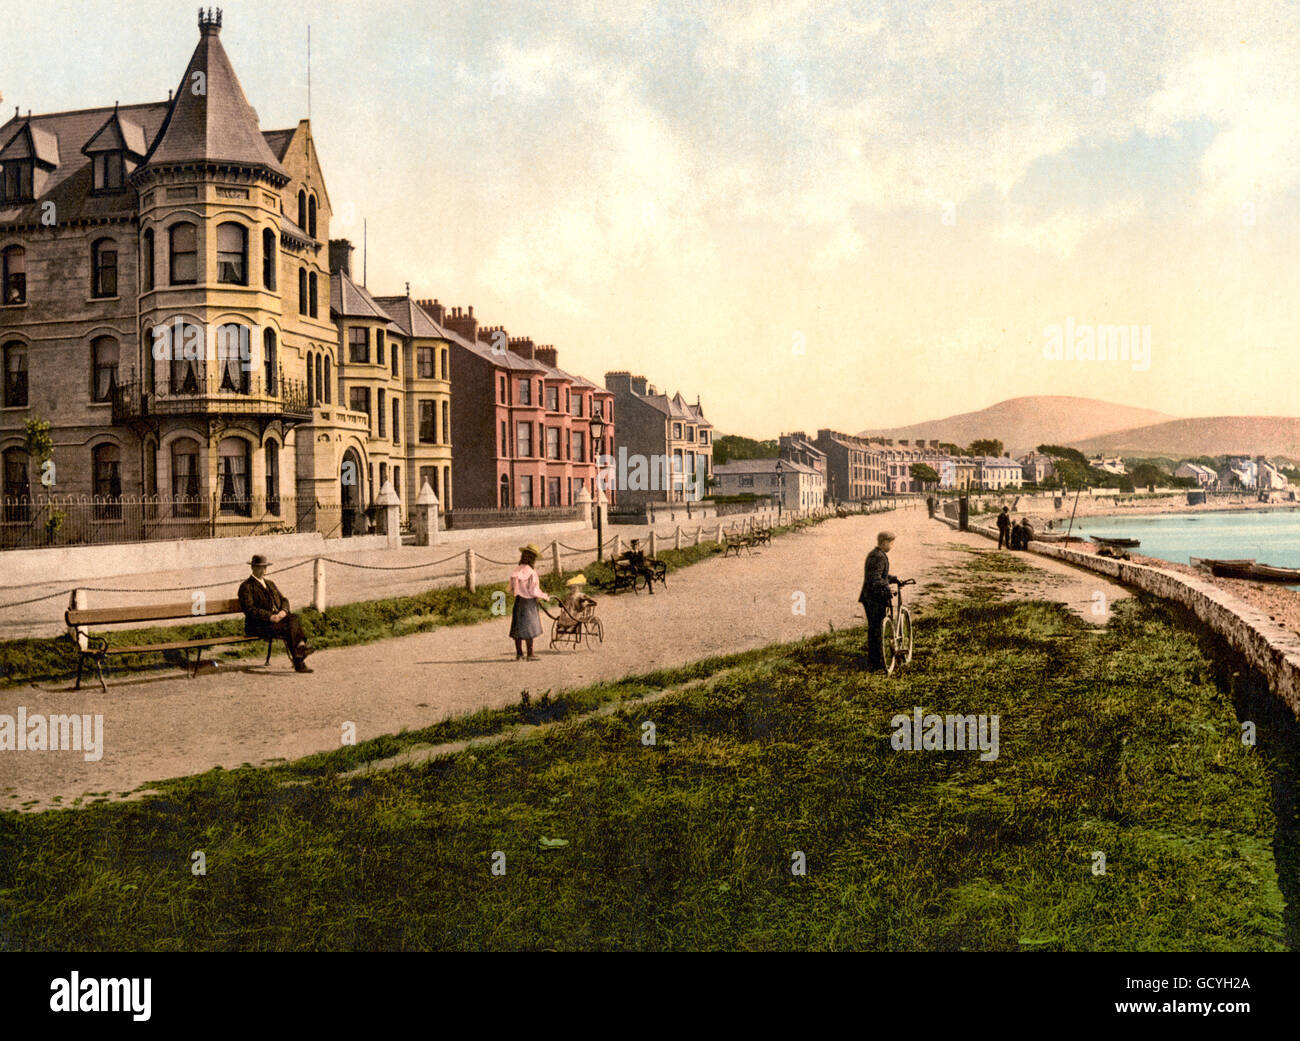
107 463
270 362
268 259
232 254
302 290
183 250
146 260
103 268
394 354
184 345
234 353
327 379
302 210
311 379
17 490
272 455
311 216
234 465
187 495
104 354
15 389
13 275
505 492
311 285
320 380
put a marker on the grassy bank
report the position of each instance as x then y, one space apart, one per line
1113 741
32 660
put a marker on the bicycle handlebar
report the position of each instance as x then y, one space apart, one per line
902 581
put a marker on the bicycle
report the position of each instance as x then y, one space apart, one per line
896 634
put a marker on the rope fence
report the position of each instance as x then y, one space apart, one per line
467 559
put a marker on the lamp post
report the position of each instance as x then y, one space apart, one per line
597 430
780 489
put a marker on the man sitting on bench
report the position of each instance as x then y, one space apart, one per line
267 614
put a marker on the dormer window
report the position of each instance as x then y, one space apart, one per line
110 171
16 181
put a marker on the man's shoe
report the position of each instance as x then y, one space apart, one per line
303 650
301 666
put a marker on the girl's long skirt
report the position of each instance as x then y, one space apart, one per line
525 622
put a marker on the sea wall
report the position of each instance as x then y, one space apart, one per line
1265 645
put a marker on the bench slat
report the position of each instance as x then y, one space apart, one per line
150 613
181 644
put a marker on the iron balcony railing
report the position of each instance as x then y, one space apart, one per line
212 393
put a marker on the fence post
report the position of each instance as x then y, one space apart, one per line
318 584
470 578
618 546
555 557
78 601
677 538
718 539
652 542
698 532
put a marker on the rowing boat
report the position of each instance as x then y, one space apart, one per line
1126 543
1211 562
1257 572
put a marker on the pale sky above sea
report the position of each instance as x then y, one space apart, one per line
912 193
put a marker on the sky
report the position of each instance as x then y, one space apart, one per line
807 214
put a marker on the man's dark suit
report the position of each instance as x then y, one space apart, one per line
259 602
875 599
1004 531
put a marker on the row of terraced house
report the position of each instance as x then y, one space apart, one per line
172 305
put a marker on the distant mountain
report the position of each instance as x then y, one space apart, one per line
1021 424
1212 435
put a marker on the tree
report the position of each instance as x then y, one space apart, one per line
985 446
951 449
924 474
728 447
1145 474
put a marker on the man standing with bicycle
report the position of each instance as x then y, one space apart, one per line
876 599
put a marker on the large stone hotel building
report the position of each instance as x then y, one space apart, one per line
167 305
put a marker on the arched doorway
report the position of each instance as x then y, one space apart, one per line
505 492
350 493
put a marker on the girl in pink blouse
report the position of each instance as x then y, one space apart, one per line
526 587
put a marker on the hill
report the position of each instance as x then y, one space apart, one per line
1022 424
1210 435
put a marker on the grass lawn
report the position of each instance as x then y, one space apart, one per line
1114 741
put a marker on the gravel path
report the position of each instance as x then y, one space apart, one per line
160 725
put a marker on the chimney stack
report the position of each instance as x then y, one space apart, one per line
434 310
618 382
462 323
547 355
523 346
341 256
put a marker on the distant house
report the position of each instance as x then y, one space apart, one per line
1239 472
1111 465
1037 468
957 474
1202 475
796 485
997 472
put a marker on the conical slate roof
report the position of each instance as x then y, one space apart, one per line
210 119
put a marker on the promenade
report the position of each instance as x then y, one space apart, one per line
161 724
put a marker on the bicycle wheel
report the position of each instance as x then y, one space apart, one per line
889 643
905 635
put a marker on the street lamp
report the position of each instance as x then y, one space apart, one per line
780 489
597 430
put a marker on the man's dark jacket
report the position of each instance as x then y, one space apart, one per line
875 579
1004 521
258 603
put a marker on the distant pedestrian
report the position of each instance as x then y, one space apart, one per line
1004 528
526 587
929 505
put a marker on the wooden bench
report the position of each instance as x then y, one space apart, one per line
97 648
761 536
626 574
735 543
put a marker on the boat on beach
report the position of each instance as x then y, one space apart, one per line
1255 572
1116 542
1211 562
